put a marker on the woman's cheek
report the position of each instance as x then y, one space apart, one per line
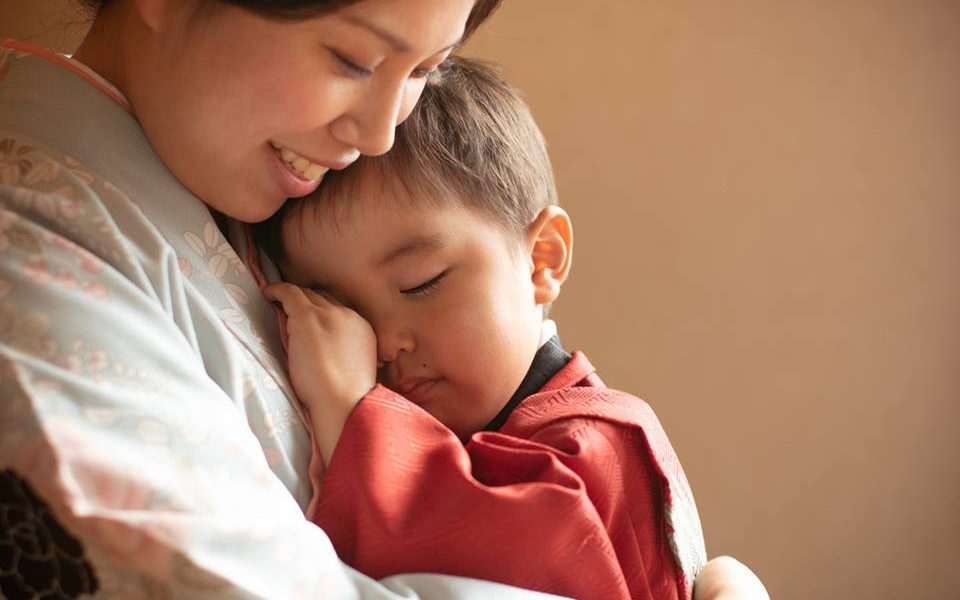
411 94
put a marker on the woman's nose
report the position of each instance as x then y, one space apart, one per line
369 124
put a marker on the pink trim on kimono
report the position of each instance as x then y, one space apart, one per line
316 468
74 66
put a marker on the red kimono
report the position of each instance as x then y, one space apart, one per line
579 493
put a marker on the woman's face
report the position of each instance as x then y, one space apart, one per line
248 111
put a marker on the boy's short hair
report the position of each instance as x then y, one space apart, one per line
470 140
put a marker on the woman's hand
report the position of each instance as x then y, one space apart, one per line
726 578
332 358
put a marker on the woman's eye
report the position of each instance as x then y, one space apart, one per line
352 68
422 73
426 70
425 287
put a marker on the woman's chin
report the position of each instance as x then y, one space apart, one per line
254 210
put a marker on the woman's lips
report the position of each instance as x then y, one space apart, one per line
300 175
289 183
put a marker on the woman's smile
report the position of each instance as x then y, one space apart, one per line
294 182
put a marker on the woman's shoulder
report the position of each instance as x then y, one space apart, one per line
52 202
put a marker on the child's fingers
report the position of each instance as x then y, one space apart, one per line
278 291
301 302
320 298
292 298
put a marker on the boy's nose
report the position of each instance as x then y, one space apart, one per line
392 343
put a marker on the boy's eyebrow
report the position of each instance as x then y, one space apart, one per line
398 44
414 245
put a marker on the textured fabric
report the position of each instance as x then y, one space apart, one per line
580 493
145 418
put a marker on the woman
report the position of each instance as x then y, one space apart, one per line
149 441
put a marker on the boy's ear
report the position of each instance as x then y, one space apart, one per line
550 239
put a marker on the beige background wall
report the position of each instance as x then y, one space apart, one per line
766 198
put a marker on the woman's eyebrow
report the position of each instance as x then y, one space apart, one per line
398 44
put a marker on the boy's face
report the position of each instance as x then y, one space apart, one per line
447 291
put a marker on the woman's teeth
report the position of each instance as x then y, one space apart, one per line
300 166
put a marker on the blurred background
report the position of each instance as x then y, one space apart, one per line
766 199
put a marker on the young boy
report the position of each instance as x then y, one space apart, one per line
485 450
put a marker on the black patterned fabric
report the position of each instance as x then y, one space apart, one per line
39 560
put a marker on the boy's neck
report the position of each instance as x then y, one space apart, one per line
547 362
548 329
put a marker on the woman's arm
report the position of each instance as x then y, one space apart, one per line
114 432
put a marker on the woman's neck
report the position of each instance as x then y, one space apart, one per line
103 48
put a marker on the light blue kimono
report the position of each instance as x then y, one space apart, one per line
143 400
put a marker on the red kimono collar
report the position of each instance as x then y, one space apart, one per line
578 369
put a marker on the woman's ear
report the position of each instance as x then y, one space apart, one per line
154 14
550 240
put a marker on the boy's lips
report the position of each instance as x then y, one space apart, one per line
415 389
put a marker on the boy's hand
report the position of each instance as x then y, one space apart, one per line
332 358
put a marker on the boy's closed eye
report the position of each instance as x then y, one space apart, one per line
425 287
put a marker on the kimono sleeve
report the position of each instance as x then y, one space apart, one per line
402 493
125 471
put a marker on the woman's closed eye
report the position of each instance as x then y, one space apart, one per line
423 72
425 287
352 68
429 67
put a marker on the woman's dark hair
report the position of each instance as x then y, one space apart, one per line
295 10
